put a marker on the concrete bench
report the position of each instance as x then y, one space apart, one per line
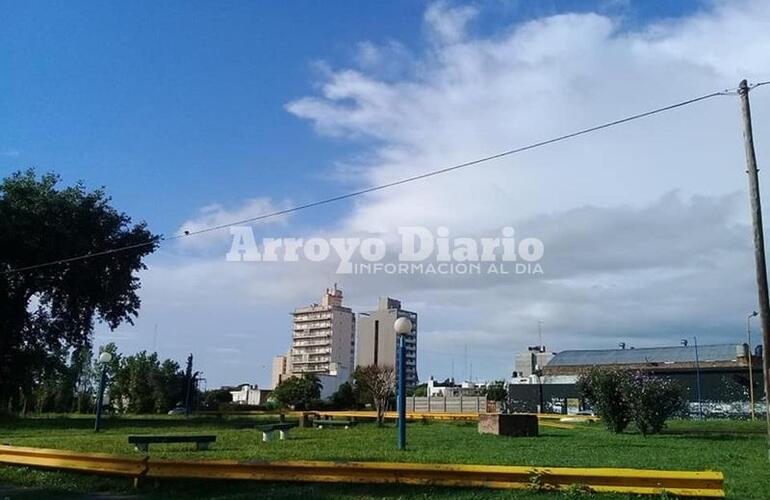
142 443
333 423
268 429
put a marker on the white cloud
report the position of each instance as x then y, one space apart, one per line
645 224
216 215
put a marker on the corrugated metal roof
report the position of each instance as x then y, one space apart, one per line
661 355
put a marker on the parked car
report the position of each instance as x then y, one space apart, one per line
178 410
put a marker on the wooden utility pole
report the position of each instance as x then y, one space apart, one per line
759 242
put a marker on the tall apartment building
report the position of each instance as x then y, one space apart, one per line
377 340
323 337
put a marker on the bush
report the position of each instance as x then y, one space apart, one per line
652 401
497 391
604 388
619 397
344 398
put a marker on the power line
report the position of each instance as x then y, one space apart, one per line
381 187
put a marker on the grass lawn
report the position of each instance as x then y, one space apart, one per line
736 448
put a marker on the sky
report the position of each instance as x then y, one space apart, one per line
193 114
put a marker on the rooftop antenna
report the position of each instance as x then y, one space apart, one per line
540 335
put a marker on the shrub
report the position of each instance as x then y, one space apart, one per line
652 401
344 397
604 388
497 391
620 397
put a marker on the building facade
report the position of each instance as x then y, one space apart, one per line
715 379
248 394
528 364
281 369
377 339
323 337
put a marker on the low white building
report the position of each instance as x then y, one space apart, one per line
251 395
450 388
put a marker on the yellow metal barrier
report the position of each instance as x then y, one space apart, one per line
634 481
545 420
372 414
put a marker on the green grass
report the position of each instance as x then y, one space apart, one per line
736 448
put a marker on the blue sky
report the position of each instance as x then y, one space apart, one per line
178 106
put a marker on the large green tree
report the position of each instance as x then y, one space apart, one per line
298 392
47 312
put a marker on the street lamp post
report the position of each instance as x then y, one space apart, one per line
403 327
751 365
697 378
541 403
104 358
697 374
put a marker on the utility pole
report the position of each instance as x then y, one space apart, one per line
188 385
759 242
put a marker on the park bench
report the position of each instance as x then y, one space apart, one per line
333 423
142 443
281 427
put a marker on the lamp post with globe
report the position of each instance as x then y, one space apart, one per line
403 327
104 358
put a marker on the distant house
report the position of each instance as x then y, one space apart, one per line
247 394
450 388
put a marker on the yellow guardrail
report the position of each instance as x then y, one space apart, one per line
600 480
366 414
545 420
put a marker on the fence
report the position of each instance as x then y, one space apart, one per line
724 393
446 404
629 481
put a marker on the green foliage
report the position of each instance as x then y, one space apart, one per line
212 400
344 398
652 401
298 392
141 383
577 490
375 384
604 388
497 391
736 448
420 391
46 314
620 397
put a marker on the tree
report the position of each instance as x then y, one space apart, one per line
497 391
298 392
344 398
420 391
47 311
215 397
141 383
376 384
605 389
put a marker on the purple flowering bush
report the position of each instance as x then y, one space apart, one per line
604 389
652 401
620 397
